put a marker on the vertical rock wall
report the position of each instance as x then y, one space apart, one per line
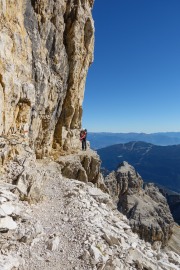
46 47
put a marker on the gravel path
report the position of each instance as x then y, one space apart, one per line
59 243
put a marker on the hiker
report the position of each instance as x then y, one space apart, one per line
83 135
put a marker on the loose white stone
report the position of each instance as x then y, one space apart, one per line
2 200
8 262
134 245
7 223
96 254
53 244
7 207
2 213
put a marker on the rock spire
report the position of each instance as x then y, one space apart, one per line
145 207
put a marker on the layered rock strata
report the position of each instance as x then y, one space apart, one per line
146 208
46 48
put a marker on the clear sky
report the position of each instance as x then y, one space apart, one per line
134 83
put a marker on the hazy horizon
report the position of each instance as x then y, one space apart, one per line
140 132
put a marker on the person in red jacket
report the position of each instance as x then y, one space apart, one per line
83 136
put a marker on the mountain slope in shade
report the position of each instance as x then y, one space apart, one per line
103 139
173 199
159 164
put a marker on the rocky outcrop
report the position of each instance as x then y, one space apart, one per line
18 167
83 166
46 48
146 208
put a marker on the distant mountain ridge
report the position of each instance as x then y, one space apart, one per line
159 164
102 139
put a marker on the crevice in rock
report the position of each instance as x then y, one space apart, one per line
3 111
33 2
22 117
88 33
51 42
1 82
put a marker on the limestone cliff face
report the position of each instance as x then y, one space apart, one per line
46 47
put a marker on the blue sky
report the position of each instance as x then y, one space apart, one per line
134 83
